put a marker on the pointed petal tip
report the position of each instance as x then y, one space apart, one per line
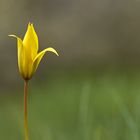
53 50
57 54
32 27
13 36
30 24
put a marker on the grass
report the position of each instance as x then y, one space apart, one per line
76 106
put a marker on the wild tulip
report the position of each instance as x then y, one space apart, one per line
28 61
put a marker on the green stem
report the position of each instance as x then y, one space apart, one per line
25 110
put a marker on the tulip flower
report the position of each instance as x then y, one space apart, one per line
28 61
28 56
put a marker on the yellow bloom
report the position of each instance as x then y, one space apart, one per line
28 56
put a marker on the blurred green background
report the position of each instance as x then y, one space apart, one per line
92 90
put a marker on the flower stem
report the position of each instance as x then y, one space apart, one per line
25 110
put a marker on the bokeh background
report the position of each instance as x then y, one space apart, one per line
92 90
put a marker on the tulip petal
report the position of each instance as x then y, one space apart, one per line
40 55
30 41
20 53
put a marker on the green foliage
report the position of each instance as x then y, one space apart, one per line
76 106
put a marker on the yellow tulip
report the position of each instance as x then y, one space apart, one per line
28 61
28 56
